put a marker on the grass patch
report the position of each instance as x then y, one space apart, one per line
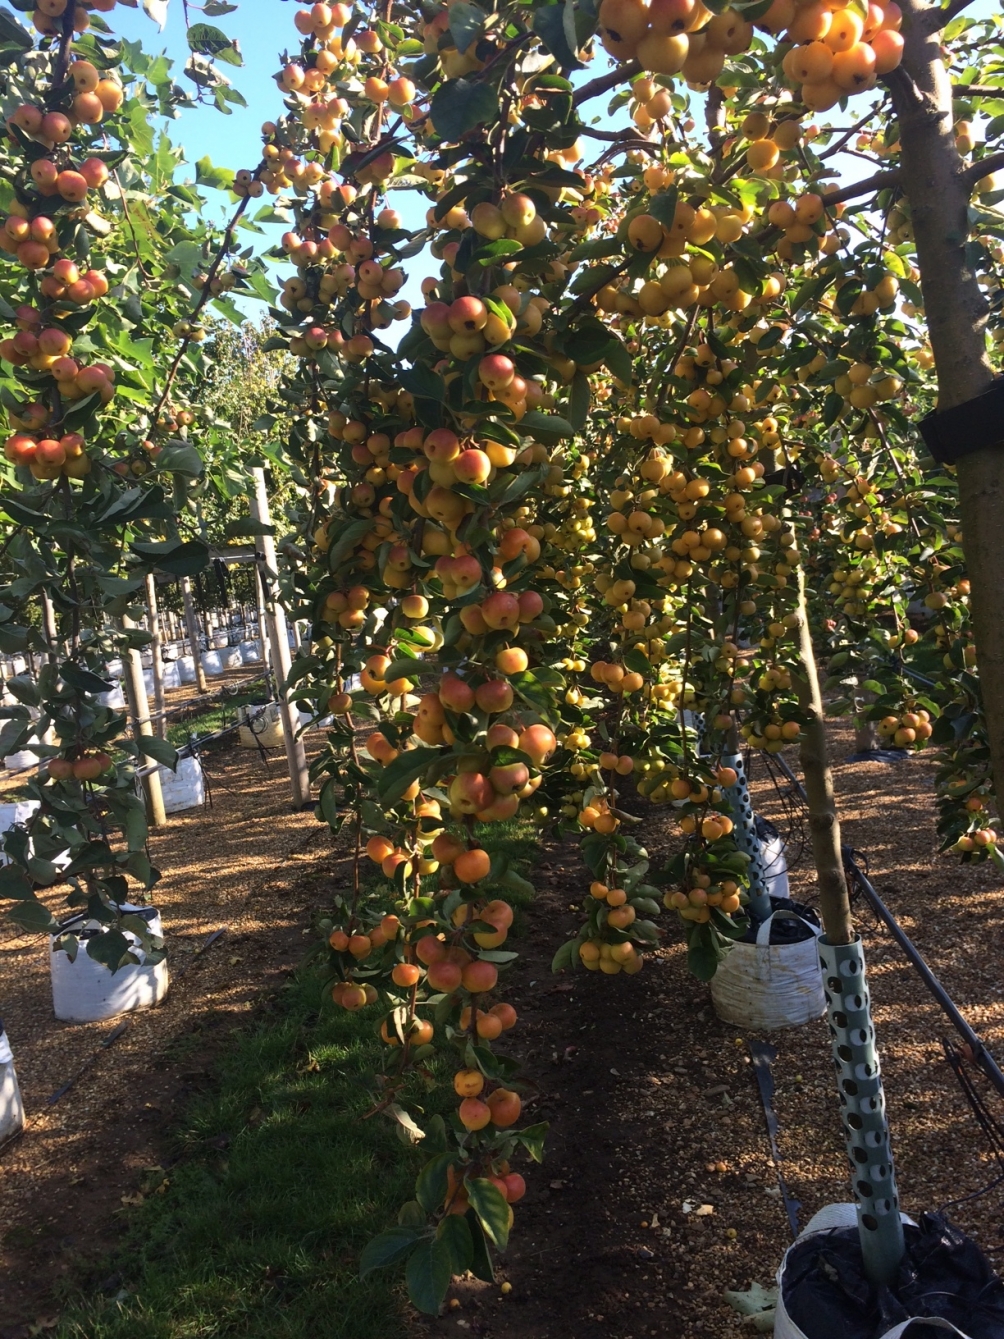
281 1183
205 723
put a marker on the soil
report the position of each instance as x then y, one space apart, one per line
247 865
658 1189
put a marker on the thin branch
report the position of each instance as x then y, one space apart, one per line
618 136
605 82
848 136
204 297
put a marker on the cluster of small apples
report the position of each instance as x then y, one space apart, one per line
669 37
695 902
835 51
47 349
83 765
908 728
48 15
49 457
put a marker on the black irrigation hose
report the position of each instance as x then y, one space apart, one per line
980 1055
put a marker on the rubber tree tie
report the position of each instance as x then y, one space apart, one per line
862 1108
741 805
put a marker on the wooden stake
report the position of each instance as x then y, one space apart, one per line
193 634
278 637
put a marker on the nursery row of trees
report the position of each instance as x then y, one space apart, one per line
582 524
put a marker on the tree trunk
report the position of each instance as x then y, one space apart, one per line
934 182
193 635
824 825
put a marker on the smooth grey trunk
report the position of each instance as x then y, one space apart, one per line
824 825
156 655
139 709
938 187
193 634
278 641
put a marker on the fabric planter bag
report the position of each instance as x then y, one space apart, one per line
85 991
767 985
185 788
11 1105
945 1281
261 727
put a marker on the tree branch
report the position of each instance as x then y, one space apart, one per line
878 182
605 82
978 90
977 171
935 18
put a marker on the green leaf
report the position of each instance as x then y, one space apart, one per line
663 206
388 1248
222 178
395 778
207 40
180 458
565 956
181 560
25 689
429 1272
539 423
82 679
459 105
12 33
455 1234
492 1210
33 916
159 750
431 1186
555 25
481 1264
467 24
532 1139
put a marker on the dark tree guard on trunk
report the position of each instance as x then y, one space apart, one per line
973 426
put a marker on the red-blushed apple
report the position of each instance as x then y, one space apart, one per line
500 610
500 736
455 694
494 697
507 777
472 466
537 742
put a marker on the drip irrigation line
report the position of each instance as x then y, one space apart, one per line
112 1037
979 1053
762 1054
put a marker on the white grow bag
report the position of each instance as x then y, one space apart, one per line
230 657
185 788
85 991
211 662
11 1105
220 639
250 652
172 675
114 699
839 1216
10 815
261 726
186 669
17 762
765 985
775 865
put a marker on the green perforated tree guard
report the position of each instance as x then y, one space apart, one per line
862 1108
746 837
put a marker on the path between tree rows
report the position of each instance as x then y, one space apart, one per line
657 1191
